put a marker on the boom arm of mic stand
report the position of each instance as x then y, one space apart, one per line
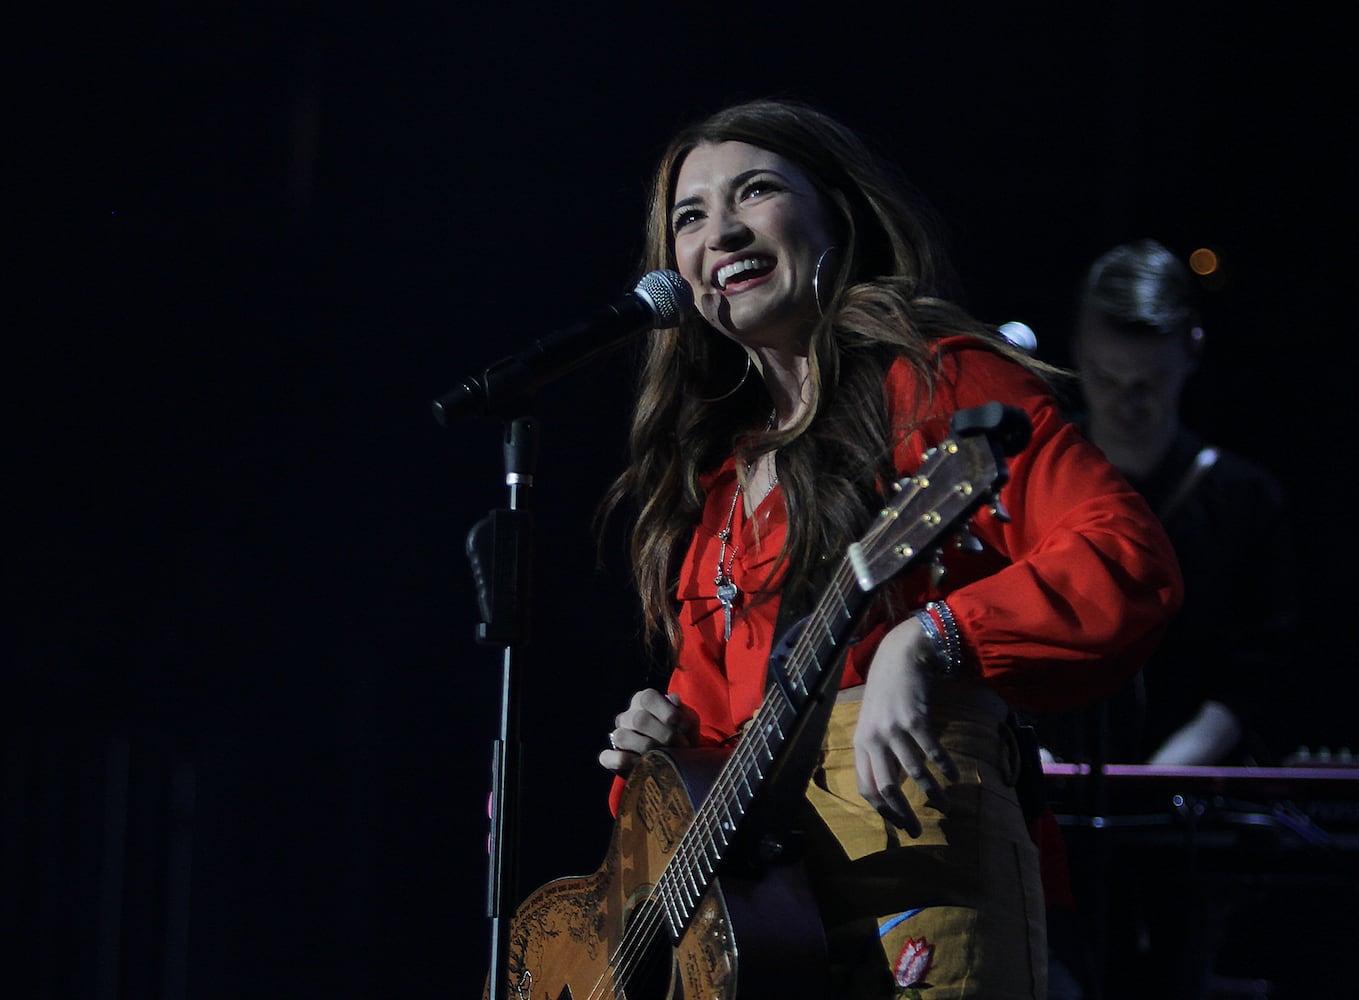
500 548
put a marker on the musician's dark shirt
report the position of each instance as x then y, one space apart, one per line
1233 640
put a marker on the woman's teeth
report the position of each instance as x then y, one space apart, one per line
728 271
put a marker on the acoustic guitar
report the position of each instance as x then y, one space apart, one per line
694 897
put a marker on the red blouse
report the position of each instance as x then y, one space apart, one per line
1058 610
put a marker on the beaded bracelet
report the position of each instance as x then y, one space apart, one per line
946 644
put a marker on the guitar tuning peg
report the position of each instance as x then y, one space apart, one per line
967 542
937 569
998 510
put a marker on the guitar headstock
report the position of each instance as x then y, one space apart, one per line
964 473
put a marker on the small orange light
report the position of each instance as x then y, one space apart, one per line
1203 261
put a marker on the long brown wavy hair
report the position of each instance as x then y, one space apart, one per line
883 304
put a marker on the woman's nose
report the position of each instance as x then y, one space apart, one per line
728 231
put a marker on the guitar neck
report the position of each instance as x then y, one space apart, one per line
954 479
810 664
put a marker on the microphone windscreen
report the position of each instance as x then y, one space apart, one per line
668 295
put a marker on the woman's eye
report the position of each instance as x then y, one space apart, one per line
758 187
682 219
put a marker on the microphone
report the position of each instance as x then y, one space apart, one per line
660 300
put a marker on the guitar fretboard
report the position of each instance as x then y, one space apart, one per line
953 481
814 654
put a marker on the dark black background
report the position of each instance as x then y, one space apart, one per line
248 728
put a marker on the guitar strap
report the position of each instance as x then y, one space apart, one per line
783 809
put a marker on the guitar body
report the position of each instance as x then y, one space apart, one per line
605 935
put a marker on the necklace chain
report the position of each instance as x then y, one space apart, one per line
726 587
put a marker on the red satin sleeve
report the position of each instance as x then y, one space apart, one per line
1071 594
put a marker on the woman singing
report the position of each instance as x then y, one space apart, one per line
821 364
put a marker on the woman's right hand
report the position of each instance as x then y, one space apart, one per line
651 720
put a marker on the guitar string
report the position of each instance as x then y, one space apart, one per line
636 938
635 941
669 886
634 944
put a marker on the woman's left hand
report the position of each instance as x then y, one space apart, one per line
895 734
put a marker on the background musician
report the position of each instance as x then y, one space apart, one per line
1138 342
1205 695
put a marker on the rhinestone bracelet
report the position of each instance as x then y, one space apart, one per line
945 640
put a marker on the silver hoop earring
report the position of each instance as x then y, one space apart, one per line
730 392
816 281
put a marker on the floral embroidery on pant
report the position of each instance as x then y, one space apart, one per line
916 957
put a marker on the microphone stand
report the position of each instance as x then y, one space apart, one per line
499 548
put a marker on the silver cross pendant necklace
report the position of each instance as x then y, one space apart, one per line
726 587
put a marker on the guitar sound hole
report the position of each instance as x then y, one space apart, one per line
645 958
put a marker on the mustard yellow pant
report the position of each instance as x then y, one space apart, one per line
956 912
